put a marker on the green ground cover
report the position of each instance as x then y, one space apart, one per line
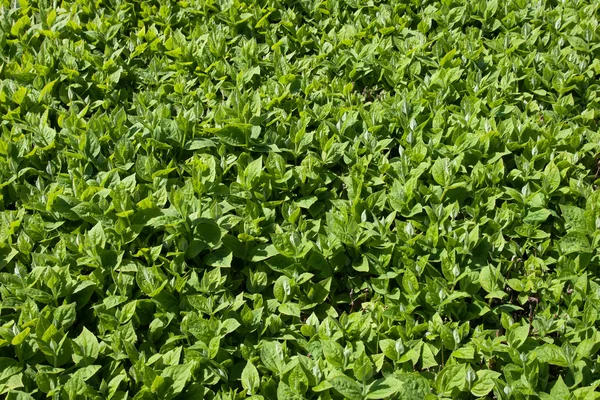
299 199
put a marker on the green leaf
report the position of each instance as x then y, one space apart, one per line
285 392
220 258
363 368
346 387
392 349
575 218
176 377
451 377
575 242
551 178
233 136
538 216
19 26
250 378
333 352
428 359
297 379
253 171
384 388
229 326
85 349
442 171
551 354
197 144
150 280
97 236
208 231
262 252
75 386
8 368
92 145
291 309
485 383
414 386
271 354
516 336
560 390
487 279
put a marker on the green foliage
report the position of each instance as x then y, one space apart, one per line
299 200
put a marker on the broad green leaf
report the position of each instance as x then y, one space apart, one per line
262 252
285 392
560 390
290 309
250 378
414 386
517 335
442 171
551 178
487 279
333 352
384 388
575 217
85 348
538 216
575 242
363 368
97 236
485 382
346 387
271 354
176 377
233 136
8 368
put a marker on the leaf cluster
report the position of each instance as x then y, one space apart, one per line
360 199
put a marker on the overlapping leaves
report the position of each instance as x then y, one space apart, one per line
314 199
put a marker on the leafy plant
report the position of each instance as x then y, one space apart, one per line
299 200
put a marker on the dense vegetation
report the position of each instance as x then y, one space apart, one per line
311 199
